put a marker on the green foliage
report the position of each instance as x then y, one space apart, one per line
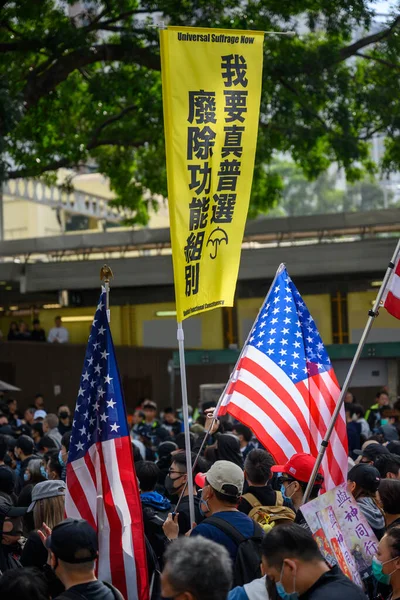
303 197
85 90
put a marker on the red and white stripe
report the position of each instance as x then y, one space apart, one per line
102 488
288 418
391 299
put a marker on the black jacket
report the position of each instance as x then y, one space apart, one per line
333 585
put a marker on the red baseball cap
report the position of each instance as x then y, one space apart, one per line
299 467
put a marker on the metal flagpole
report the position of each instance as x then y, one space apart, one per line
105 275
372 314
215 414
185 410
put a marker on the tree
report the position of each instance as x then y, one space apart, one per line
86 90
303 197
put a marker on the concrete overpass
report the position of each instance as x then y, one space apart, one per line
317 249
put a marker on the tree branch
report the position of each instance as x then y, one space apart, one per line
38 86
374 38
386 63
66 162
107 122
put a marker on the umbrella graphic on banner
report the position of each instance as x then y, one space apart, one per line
216 237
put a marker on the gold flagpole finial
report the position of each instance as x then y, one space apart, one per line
106 274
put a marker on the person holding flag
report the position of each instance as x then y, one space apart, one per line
101 481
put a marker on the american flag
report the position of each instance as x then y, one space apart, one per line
101 482
391 298
284 387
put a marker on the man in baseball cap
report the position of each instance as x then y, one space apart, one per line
370 453
220 497
73 551
295 475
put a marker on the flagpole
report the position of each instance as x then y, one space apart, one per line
105 275
215 414
185 411
372 314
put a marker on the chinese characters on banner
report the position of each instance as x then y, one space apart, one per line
211 96
342 533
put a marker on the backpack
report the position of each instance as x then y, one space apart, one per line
248 557
269 516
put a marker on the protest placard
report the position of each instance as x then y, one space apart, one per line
342 533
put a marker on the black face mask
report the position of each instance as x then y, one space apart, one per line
170 487
63 414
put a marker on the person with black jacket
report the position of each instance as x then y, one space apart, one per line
69 543
155 506
294 565
24 452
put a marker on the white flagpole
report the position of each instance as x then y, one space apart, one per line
215 415
185 410
372 314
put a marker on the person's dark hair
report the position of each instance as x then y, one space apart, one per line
198 566
137 457
201 420
387 463
244 431
289 541
394 447
38 427
168 410
54 463
28 582
389 493
393 534
180 440
46 442
358 410
26 444
225 424
39 395
180 459
3 446
147 473
381 393
258 466
377 437
66 439
10 401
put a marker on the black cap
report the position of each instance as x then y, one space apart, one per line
372 451
71 538
366 476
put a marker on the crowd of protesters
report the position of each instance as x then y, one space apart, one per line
249 541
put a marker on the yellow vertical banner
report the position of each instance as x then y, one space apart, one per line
211 94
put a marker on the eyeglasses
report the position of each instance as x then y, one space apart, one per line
283 479
170 472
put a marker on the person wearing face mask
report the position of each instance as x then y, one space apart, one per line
227 526
295 567
175 482
64 419
24 453
63 454
295 475
10 535
386 563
